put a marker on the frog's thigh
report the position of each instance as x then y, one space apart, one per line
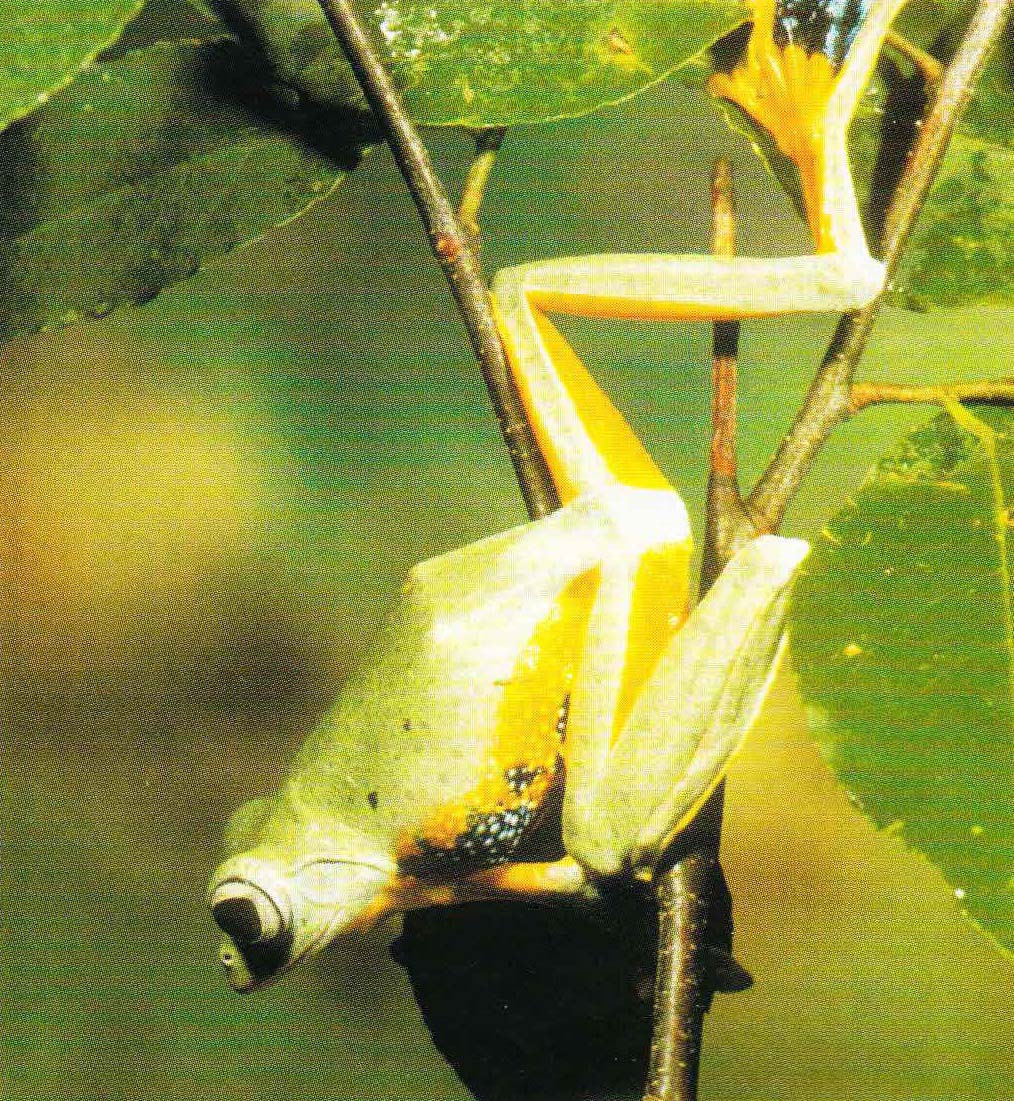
693 713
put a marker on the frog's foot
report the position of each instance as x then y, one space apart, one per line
804 69
626 805
786 90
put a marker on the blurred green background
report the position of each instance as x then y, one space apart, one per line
209 502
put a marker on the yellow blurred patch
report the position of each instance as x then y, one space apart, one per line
118 510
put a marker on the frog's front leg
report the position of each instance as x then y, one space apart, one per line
629 792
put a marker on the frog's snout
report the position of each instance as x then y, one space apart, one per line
248 914
255 913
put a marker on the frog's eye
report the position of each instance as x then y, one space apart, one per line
249 914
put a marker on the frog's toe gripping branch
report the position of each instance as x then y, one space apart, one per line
692 715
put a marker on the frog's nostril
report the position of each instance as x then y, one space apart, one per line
246 913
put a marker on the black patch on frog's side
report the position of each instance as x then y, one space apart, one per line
488 840
521 777
491 837
820 26
373 799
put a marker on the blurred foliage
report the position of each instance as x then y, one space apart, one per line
904 641
133 503
45 43
183 159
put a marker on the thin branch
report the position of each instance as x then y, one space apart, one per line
727 526
931 69
828 402
683 984
487 145
984 391
685 889
452 249
725 338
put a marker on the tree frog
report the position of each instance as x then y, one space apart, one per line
562 653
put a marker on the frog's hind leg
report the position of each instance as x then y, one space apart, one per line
623 807
587 444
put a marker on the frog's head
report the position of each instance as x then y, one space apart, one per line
289 895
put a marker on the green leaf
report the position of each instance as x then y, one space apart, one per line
143 170
493 63
180 21
43 44
962 249
904 642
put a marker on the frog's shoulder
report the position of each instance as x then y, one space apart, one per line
592 528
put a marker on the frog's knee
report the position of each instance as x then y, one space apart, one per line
866 279
507 282
595 845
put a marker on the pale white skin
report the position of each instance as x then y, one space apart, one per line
412 731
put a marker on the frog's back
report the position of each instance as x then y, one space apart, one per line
446 743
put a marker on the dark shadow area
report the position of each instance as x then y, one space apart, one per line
530 1002
549 1003
904 106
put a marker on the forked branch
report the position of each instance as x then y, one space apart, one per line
828 402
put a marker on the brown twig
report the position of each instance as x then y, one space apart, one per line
682 980
487 145
453 251
827 404
683 985
985 391
727 526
